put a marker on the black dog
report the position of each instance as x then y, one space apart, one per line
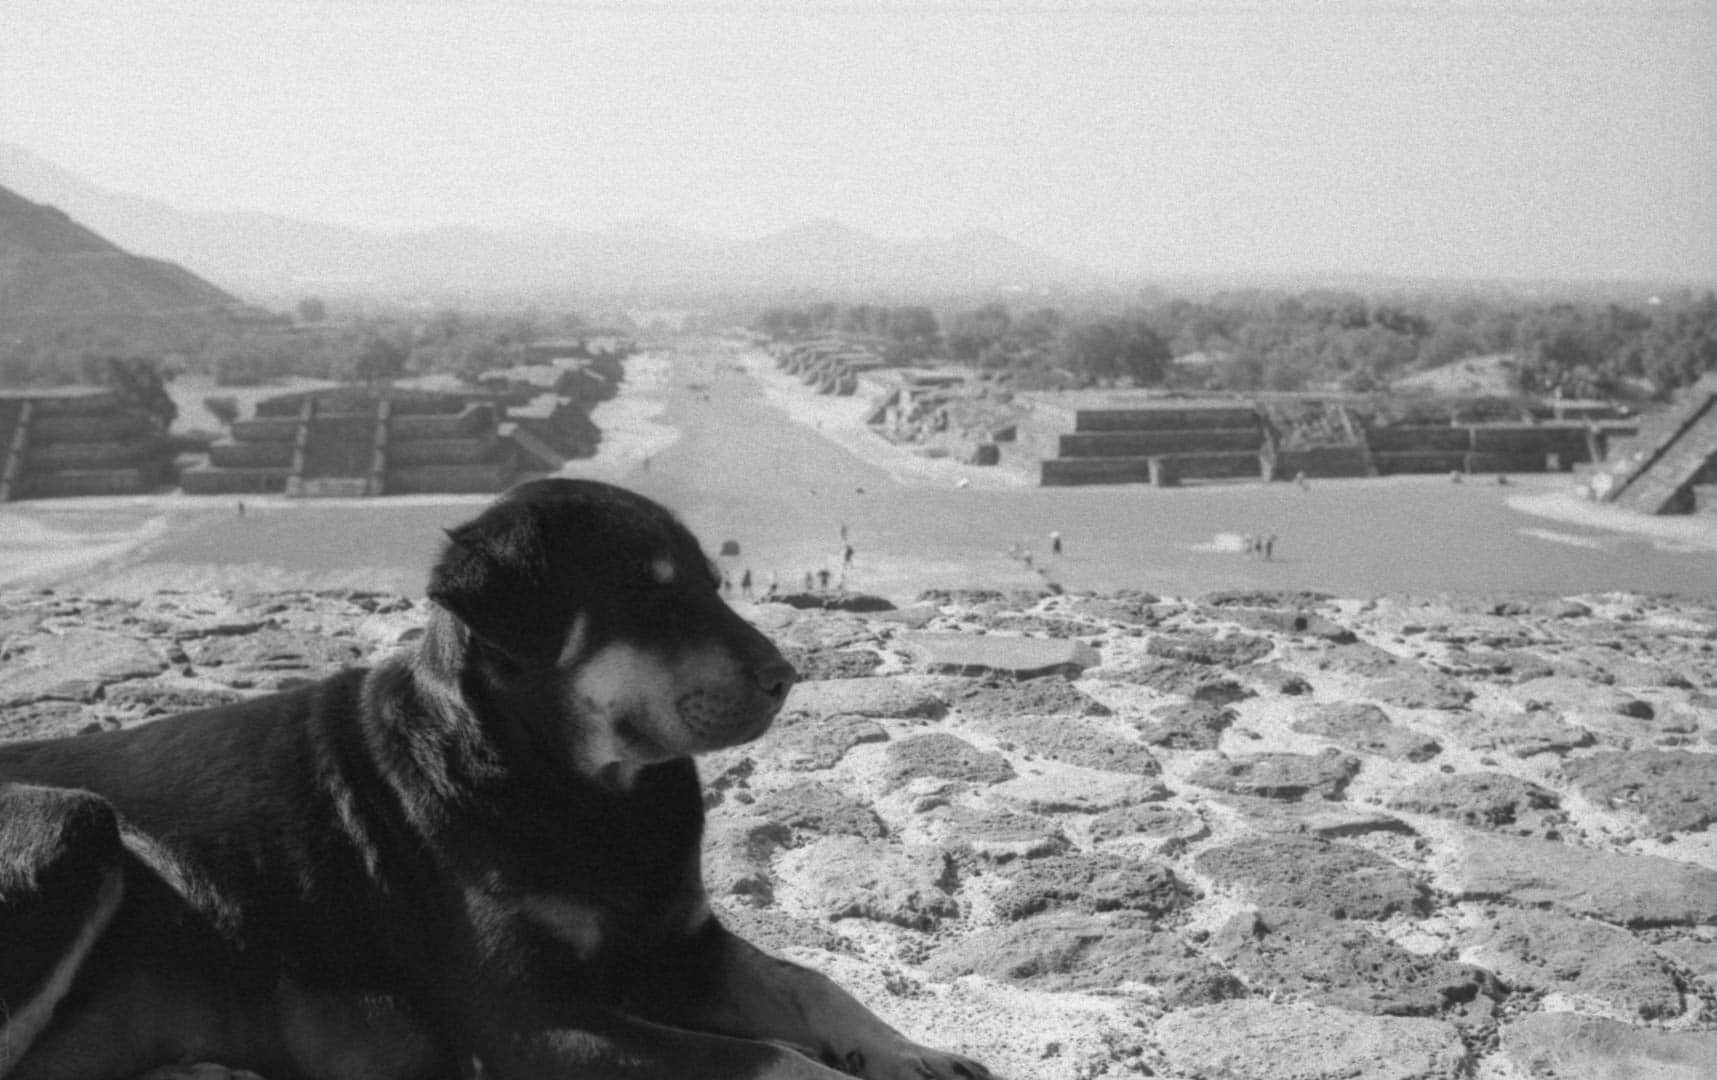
478 859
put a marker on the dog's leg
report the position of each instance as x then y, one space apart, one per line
722 983
60 885
621 1048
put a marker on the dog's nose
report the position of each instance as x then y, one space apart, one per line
775 678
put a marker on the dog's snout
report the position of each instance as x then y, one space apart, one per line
775 677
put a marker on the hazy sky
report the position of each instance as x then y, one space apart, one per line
1496 138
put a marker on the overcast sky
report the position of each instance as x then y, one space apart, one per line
1508 138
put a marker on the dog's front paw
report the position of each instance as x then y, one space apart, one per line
202 1070
909 1061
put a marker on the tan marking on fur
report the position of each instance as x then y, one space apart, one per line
570 921
620 680
576 637
22 1027
663 570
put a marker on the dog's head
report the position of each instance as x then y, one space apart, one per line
605 595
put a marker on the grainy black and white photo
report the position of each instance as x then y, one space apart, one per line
906 539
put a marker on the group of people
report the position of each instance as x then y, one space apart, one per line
1260 545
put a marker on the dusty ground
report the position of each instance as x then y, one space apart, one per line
1245 836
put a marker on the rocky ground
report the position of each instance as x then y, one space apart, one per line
1256 836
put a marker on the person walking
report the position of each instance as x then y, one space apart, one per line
1055 543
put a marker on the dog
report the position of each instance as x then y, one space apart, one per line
479 858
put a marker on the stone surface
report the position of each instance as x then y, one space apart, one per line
943 756
808 742
978 654
1601 967
845 877
1070 740
1092 883
1205 647
1196 725
1673 791
1631 890
1050 695
1331 878
871 697
1258 1040
1083 952
1279 776
1363 727
1569 1046
1555 855
1305 956
74 666
1486 800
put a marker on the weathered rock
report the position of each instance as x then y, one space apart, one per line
166 699
736 856
1092 883
1339 880
1426 691
1132 608
1073 741
1365 728
1227 650
1047 696
980 654
1673 791
1093 792
74 666
774 930
813 810
1196 725
1598 965
1507 665
1486 800
1085 952
804 742
273 651
1167 830
1200 682
1290 599
945 756
1309 956
1329 820
1256 1040
47 719
844 877
1287 622
1569 1046
999 835
1630 890
1522 735
1279 776
823 664
872 697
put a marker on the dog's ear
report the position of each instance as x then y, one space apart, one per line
493 576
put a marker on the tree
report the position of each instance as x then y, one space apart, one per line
380 359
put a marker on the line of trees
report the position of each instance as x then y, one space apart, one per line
1318 339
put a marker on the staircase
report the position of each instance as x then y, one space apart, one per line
1662 481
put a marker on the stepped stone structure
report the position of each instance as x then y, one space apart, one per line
358 440
1128 437
81 441
1671 468
832 365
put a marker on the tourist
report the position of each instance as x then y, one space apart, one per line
823 578
745 583
1270 547
847 556
1054 543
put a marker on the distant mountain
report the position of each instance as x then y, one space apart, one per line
272 257
51 267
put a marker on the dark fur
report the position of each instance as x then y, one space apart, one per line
483 852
